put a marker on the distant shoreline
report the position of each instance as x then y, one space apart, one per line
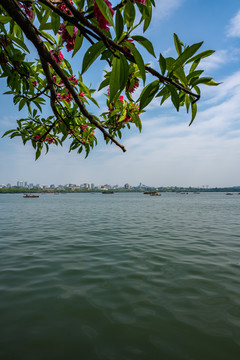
15 190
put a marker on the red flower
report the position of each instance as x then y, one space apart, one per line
67 97
37 137
58 56
121 98
102 22
73 79
26 6
66 37
50 140
35 83
64 9
83 127
134 87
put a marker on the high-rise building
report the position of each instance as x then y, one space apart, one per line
20 183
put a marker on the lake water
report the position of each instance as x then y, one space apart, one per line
120 277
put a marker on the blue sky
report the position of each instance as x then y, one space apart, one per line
168 151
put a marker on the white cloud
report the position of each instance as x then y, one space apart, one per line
233 29
220 58
168 152
166 8
230 87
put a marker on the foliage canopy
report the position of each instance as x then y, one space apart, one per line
111 32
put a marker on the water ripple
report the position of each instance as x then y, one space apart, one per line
120 277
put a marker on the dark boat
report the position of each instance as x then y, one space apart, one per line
30 196
150 192
107 192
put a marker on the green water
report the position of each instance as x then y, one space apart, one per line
122 276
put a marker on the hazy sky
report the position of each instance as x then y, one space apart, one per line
168 151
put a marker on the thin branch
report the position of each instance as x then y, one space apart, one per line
37 95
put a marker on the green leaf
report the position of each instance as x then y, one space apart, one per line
147 17
8 132
169 63
124 70
174 96
162 62
194 74
55 22
194 66
129 14
196 88
212 83
148 93
178 44
119 24
92 54
48 36
115 77
145 43
194 112
19 42
5 19
105 11
137 121
38 152
21 104
165 97
94 101
203 80
70 29
80 4
45 26
78 43
103 84
138 58
201 56
188 52
180 74
123 115
187 102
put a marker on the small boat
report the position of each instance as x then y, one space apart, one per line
229 193
30 196
150 192
107 192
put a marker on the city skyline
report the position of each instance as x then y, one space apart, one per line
92 186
